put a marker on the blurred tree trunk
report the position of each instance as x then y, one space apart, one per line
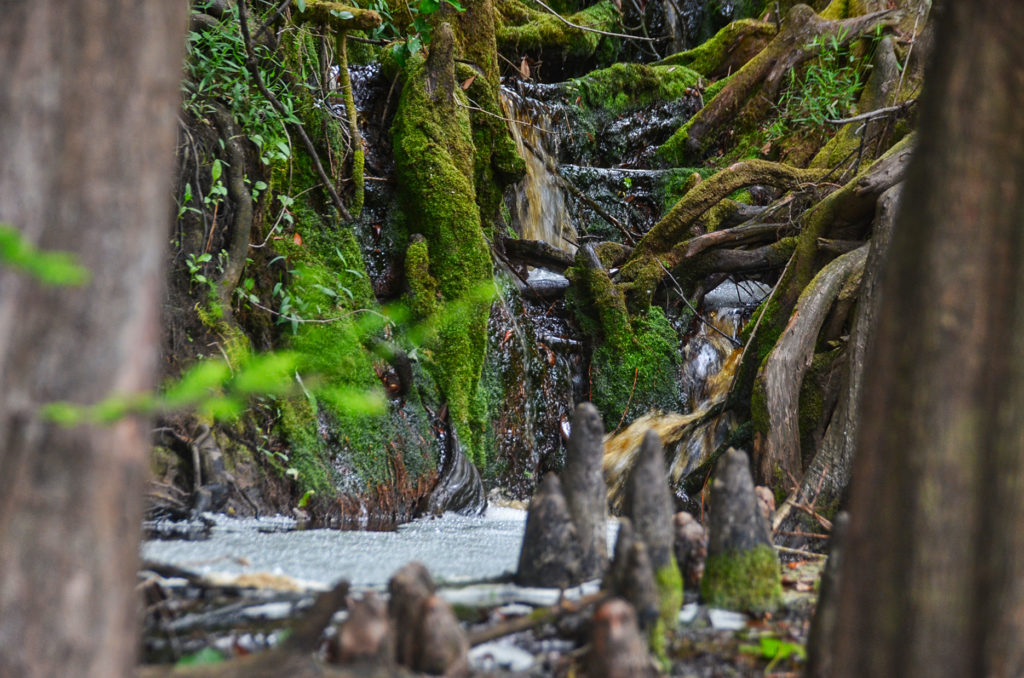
933 580
87 114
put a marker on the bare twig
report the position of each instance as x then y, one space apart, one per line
537 618
679 288
878 113
271 19
798 552
592 30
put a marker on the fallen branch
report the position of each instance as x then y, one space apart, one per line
538 617
888 110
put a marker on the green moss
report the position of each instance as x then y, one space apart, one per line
543 32
634 370
307 451
435 161
626 86
707 57
670 592
422 286
748 581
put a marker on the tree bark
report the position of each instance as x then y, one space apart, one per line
934 581
87 115
784 370
828 475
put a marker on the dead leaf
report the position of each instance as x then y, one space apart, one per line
297 239
524 68
468 81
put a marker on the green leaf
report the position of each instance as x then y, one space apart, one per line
204 657
216 170
429 6
50 268
268 373
301 4
342 14
197 383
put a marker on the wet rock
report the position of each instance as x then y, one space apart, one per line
691 548
616 574
550 554
440 645
766 502
639 586
618 650
408 589
585 489
742 570
366 636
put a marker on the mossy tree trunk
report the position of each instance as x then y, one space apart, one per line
443 165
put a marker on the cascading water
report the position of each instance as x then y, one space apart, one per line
540 210
711 357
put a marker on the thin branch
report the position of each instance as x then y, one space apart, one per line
271 19
250 64
679 288
878 113
798 552
592 30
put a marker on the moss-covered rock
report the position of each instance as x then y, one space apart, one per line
626 86
534 32
745 580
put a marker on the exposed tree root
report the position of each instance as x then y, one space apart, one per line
828 474
241 227
784 370
759 81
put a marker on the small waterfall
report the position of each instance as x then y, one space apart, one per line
540 210
711 358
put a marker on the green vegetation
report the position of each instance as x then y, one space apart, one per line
51 268
749 581
827 90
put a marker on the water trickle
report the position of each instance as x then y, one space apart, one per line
711 358
540 210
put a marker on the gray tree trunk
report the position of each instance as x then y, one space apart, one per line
933 584
87 115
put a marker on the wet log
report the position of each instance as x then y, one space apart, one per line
705 195
828 474
536 253
786 365
339 16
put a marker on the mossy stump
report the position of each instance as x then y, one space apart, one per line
742 570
